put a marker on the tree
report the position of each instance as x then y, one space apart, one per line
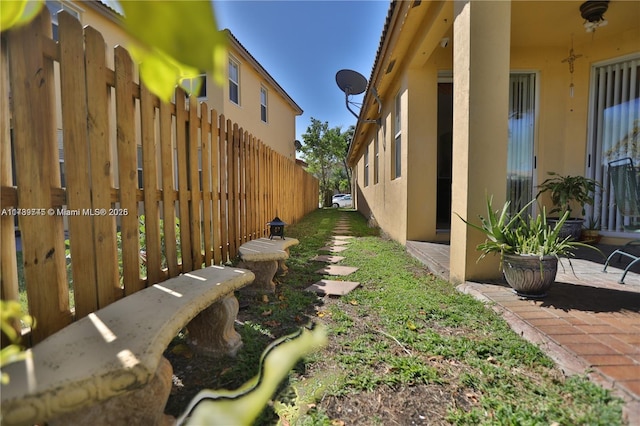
325 152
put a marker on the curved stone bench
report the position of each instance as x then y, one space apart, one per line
264 257
107 368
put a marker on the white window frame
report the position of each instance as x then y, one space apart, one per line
397 140
376 158
236 82
54 7
366 166
188 85
264 104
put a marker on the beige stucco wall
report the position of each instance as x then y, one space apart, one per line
561 133
387 200
279 130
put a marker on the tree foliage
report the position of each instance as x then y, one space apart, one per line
325 151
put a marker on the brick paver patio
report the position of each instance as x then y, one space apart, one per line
588 323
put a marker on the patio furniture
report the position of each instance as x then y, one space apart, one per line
108 367
264 257
624 177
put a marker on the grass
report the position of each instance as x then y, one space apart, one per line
404 334
404 327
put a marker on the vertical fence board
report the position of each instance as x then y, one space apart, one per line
127 171
168 191
225 136
194 184
183 187
262 184
76 155
205 141
8 258
232 169
242 203
251 224
107 276
150 183
36 156
215 186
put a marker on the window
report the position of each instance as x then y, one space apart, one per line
397 145
140 179
56 6
196 86
366 166
63 179
263 104
234 82
376 155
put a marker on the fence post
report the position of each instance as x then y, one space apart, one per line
8 261
34 125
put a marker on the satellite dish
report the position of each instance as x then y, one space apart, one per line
351 82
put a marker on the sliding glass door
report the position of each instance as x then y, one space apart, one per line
614 130
520 153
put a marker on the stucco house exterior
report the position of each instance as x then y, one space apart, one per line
485 98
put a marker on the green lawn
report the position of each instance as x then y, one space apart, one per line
405 329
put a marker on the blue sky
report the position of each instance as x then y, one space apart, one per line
302 44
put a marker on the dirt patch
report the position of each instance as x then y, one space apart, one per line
415 405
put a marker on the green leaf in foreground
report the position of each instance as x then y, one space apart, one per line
174 41
19 12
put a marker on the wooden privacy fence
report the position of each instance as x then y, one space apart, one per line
203 184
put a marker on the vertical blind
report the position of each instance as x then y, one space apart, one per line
521 136
615 123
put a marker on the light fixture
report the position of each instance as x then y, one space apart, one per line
593 13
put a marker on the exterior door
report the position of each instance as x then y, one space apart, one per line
520 152
445 146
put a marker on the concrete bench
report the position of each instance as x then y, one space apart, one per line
264 257
108 368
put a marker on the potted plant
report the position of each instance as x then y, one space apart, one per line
591 231
529 247
566 192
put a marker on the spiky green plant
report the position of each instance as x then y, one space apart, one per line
517 234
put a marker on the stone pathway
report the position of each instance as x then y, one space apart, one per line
338 243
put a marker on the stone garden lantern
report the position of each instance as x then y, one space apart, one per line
276 228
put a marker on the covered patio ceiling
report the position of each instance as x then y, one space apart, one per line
552 23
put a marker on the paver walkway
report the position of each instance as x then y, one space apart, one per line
338 243
588 323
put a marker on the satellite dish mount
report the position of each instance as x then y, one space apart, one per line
353 83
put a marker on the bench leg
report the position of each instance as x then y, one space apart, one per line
212 330
143 406
264 272
282 267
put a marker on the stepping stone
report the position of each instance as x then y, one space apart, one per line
328 258
333 288
342 237
338 243
334 249
337 270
